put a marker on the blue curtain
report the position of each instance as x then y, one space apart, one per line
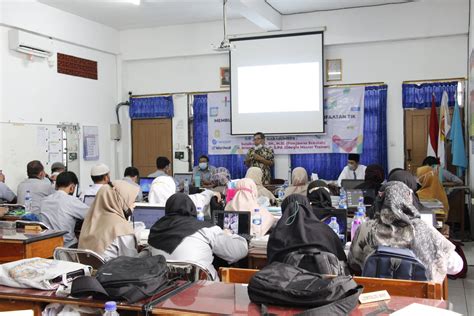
420 96
329 166
152 107
234 163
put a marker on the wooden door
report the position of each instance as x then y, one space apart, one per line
151 139
417 125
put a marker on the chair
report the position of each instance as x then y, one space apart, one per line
188 271
84 256
406 288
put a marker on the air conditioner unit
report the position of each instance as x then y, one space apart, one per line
30 44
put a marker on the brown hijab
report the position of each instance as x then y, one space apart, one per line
431 187
106 220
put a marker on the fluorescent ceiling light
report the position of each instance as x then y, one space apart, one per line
135 2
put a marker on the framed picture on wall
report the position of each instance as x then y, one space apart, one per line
333 69
225 77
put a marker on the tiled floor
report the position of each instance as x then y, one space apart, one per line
461 291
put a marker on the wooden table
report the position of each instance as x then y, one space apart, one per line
202 298
16 244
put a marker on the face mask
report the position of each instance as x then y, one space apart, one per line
258 146
203 165
351 167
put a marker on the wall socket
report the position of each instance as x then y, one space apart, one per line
179 155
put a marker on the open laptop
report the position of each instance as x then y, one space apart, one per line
89 199
236 222
145 184
181 177
325 215
349 184
353 197
148 214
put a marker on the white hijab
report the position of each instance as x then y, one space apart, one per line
161 189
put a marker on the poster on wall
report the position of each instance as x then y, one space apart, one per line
91 143
343 119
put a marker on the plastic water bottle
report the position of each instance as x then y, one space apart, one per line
355 224
281 194
342 199
28 202
197 181
111 309
200 214
334 225
257 223
361 206
186 187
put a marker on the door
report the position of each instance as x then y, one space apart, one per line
150 139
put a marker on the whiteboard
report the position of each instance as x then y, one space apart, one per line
21 143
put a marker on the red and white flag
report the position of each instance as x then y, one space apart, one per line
433 131
444 127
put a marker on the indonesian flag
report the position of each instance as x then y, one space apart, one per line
444 127
433 132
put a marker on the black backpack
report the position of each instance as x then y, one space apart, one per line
394 263
316 261
125 278
287 285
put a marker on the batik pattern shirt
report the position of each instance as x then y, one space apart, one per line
266 153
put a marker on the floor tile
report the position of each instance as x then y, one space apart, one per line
457 297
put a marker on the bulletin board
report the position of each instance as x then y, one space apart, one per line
49 143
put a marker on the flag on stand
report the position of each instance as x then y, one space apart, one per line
444 127
433 132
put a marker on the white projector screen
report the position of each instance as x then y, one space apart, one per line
277 84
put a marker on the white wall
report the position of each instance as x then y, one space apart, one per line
33 92
420 40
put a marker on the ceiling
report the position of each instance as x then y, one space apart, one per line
122 15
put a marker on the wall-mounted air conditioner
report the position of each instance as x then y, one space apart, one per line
30 44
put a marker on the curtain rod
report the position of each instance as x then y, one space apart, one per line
434 80
173 93
355 84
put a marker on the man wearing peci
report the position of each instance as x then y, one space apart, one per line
260 156
353 170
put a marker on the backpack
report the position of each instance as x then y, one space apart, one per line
316 261
394 263
125 278
287 285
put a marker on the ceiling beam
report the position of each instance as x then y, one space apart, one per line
258 12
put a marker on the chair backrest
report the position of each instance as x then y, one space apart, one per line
407 288
188 271
84 256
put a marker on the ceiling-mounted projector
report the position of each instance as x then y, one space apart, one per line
225 44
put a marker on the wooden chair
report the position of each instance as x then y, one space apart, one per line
394 287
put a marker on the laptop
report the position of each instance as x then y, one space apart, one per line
236 222
353 197
89 199
325 215
429 217
148 214
349 184
181 177
145 184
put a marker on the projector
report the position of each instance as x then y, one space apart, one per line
224 46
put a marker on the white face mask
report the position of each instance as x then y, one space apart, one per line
203 165
258 146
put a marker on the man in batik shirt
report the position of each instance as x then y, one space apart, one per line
260 156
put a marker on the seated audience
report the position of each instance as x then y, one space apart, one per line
6 195
299 182
36 184
180 236
256 174
132 176
299 228
431 187
221 178
447 175
100 176
204 171
399 225
56 169
245 199
318 195
374 177
61 210
163 187
106 229
353 170
163 168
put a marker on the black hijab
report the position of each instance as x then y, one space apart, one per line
299 228
318 194
178 223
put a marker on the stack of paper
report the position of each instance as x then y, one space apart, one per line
259 245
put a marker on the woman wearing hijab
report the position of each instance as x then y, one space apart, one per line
374 176
399 225
431 187
163 187
256 174
299 228
106 229
245 199
318 195
299 182
180 236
